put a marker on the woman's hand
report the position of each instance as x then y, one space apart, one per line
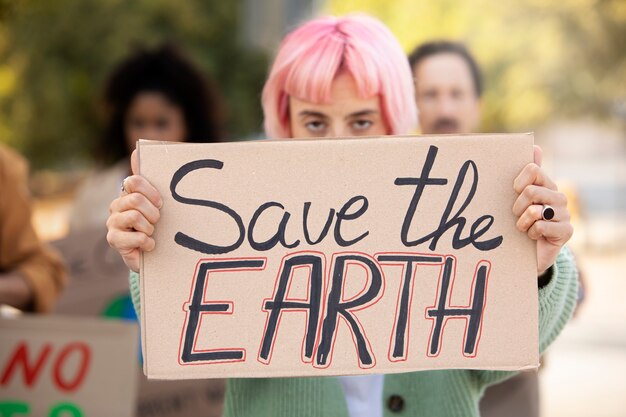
535 190
133 216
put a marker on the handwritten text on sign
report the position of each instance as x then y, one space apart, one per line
337 256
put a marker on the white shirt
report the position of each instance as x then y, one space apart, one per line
364 394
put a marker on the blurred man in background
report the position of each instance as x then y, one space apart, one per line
448 88
31 274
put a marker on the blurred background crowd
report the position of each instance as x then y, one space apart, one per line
553 67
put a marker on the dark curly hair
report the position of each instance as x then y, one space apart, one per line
165 70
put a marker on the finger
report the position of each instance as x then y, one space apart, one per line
532 174
534 194
537 154
136 201
131 259
529 216
126 242
134 162
138 184
130 220
555 232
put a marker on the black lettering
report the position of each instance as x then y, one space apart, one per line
475 312
489 244
344 215
189 242
420 183
335 307
305 225
280 303
280 233
197 307
404 307
447 221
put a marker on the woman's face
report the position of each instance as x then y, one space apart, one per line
151 115
346 115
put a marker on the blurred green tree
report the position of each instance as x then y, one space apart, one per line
54 56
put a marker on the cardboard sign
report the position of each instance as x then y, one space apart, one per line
98 284
98 287
67 367
343 256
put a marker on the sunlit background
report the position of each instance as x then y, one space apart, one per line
557 68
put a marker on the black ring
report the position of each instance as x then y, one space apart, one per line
547 213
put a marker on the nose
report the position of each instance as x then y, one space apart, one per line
446 106
338 131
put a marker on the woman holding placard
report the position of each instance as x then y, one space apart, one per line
348 76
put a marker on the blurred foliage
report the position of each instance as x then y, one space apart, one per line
55 54
542 59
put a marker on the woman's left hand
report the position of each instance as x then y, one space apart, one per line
535 190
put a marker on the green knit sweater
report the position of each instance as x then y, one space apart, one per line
449 393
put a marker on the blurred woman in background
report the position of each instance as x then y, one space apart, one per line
154 94
32 274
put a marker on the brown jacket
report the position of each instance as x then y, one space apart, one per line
20 249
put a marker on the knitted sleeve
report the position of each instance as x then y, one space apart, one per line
557 300
133 281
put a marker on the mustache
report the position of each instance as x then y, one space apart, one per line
446 123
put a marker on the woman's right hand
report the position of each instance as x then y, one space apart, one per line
133 216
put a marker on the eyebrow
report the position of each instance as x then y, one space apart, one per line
367 112
307 113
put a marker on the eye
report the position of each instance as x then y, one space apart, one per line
361 124
315 126
429 95
457 94
136 123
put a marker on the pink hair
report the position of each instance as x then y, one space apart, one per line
310 57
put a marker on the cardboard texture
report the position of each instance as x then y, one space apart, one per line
98 287
56 366
343 256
